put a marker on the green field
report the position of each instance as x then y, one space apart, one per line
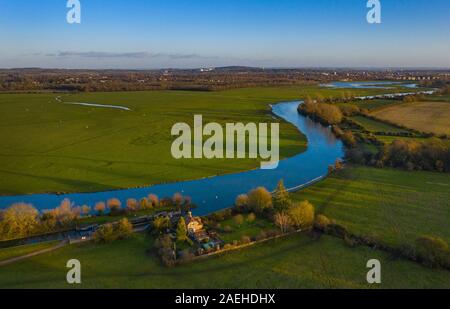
9 253
376 126
394 206
372 104
52 147
297 262
250 229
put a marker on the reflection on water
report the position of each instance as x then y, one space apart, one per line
215 193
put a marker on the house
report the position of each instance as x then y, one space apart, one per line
193 224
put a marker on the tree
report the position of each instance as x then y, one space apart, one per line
280 198
241 201
100 208
114 204
259 200
104 234
181 230
132 205
239 219
124 229
19 220
66 213
85 210
144 204
153 200
302 215
283 221
178 199
160 224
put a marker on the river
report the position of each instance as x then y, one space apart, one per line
219 192
215 193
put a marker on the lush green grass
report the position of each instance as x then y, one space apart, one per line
376 126
47 146
250 229
389 139
106 218
372 104
9 253
394 206
423 116
297 262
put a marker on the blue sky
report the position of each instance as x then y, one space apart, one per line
143 34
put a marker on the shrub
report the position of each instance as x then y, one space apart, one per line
302 215
337 230
123 229
251 217
105 234
283 221
322 222
160 224
241 201
433 249
259 200
238 219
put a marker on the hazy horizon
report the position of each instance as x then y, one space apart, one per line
161 34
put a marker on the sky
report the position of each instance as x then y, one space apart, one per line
149 34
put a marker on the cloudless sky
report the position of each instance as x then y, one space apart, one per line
145 34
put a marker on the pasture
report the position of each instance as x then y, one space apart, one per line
376 126
430 117
295 262
394 206
48 146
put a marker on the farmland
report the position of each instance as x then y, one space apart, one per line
296 262
48 146
391 205
430 117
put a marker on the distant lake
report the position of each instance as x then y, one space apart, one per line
367 85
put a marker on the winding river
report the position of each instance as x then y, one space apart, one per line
215 193
219 192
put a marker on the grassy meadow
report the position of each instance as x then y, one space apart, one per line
430 117
376 126
394 206
296 262
48 146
